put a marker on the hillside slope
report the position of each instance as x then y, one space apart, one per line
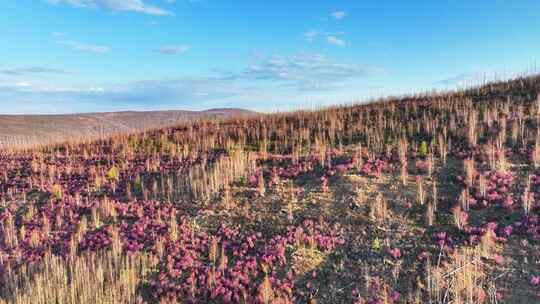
29 130
423 199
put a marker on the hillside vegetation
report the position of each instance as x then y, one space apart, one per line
423 199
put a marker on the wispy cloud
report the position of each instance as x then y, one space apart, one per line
329 37
174 50
271 83
338 14
30 71
458 79
14 86
481 77
92 48
305 71
138 6
336 41
311 35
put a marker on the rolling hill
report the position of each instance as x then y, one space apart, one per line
29 130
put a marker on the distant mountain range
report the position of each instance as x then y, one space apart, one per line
30 130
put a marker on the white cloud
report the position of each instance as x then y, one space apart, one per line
31 70
23 84
98 49
305 71
174 50
479 78
330 37
272 82
137 6
336 41
311 35
338 15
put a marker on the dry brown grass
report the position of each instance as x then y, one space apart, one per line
92 279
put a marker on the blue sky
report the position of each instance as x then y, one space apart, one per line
65 56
